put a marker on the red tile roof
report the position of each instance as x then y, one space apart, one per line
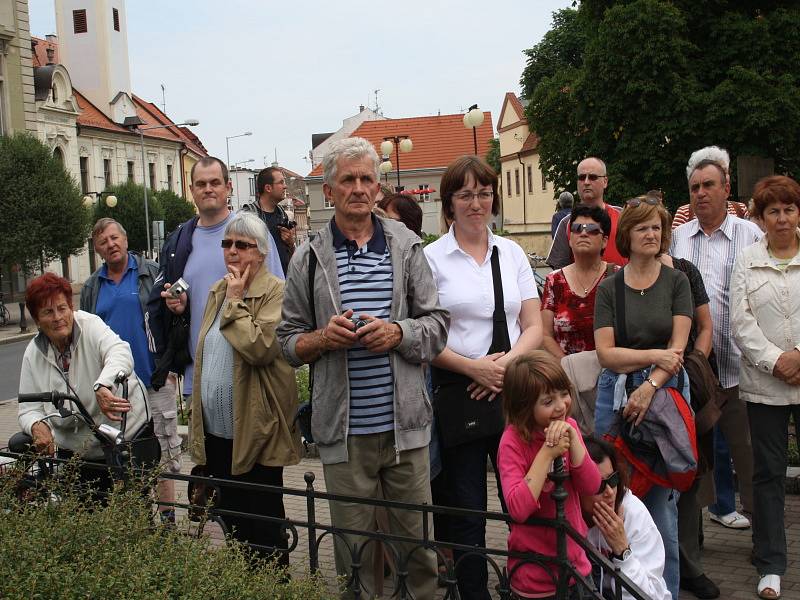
511 99
531 143
437 140
40 47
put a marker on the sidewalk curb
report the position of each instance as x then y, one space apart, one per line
19 337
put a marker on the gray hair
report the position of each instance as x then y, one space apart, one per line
104 222
566 200
248 225
709 153
353 148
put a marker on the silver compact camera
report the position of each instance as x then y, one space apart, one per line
177 288
358 323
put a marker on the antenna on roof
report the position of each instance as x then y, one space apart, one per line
163 99
377 106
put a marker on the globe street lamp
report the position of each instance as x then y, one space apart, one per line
141 130
398 143
472 120
385 167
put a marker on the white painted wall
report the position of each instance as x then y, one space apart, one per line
349 125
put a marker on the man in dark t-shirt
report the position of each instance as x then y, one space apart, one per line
271 186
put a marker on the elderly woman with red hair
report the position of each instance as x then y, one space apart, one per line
765 322
77 353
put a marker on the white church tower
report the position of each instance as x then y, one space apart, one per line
93 46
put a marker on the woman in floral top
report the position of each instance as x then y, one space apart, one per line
569 293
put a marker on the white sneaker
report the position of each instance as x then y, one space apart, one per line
734 520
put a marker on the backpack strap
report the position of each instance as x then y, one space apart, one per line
312 269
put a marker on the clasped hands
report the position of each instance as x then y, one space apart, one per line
669 360
787 367
376 336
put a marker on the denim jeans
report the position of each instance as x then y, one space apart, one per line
662 504
723 477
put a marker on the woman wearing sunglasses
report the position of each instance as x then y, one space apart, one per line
244 394
621 527
569 293
643 349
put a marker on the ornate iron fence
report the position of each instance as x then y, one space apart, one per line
569 584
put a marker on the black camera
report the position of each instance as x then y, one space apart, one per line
358 323
286 223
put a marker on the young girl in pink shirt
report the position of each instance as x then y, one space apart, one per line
537 396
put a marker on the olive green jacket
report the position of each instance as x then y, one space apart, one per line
264 387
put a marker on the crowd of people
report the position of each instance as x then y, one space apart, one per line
658 359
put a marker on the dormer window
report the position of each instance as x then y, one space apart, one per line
79 21
54 91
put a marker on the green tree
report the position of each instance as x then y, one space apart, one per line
176 210
43 216
493 155
129 211
643 83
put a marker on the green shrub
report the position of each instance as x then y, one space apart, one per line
71 548
301 376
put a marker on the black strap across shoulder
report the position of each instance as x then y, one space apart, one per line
621 334
312 269
500 339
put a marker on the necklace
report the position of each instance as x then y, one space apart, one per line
591 285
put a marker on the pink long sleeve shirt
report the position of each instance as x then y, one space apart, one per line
514 458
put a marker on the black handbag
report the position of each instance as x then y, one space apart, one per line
460 418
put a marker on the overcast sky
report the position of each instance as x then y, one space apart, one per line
285 70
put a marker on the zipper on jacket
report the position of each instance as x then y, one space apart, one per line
396 455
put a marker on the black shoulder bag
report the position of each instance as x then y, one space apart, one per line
304 411
460 418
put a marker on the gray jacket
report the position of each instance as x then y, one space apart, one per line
415 308
148 271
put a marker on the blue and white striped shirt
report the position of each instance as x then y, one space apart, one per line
714 255
365 286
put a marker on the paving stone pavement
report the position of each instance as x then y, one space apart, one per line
725 556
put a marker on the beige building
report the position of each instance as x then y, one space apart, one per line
17 104
528 199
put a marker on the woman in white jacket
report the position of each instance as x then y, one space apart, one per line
621 527
765 321
77 353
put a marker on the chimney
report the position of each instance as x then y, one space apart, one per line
360 108
50 55
51 38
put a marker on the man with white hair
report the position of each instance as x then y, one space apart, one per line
361 306
684 214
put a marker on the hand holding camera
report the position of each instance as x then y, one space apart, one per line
175 296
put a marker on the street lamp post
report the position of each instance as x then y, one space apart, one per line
141 130
397 143
228 138
472 120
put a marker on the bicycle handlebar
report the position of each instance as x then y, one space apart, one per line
52 397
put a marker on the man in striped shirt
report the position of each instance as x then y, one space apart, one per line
712 242
376 319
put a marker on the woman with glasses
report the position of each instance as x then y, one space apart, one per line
472 367
621 528
569 293
641 347
244 395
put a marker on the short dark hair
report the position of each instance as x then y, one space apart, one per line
599 450
595 213
265 177
207 161
45 288
633 215
776 188
455 177
527 377
408 209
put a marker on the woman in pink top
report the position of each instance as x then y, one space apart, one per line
537 396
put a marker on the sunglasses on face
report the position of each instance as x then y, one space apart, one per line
610 481
240 245
651 200
590 228
589 176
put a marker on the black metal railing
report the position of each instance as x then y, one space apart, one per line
563 573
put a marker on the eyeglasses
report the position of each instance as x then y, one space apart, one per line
468 196
240 245
589 176
590 228
651 200
610 481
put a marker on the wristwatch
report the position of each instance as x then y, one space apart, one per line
97 386
652 382
624 556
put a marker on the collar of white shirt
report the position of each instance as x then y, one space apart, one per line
451 243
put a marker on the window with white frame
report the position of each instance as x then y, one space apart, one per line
325 202
252 182
424 196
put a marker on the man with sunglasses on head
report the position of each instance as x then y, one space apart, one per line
192 253
592 183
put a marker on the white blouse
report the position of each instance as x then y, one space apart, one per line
467 291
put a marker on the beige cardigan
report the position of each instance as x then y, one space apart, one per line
264 388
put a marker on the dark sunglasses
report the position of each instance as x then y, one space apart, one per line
590 228
589 176
240 245
651 200
610 481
